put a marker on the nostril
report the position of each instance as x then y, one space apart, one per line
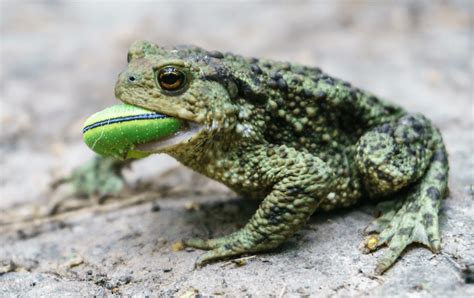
132 78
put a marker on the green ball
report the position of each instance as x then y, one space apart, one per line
116 130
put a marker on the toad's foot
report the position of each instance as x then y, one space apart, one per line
414 219
100 176
224 247
399 228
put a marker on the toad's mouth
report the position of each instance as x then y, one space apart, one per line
126 131
187 131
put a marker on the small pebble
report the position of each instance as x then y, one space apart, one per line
155 207
125 279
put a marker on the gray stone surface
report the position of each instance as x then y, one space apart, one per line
59 62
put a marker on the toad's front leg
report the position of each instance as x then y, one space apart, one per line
300 181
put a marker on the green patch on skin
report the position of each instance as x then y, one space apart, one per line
116 130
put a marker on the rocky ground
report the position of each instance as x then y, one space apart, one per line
59 62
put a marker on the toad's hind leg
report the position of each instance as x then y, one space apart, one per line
407 157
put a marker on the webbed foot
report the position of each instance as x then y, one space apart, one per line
403 223
233 245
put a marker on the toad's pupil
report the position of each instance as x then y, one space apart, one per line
170 78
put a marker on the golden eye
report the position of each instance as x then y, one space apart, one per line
170 78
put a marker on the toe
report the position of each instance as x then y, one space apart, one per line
216 254
390 256
370 244
197 243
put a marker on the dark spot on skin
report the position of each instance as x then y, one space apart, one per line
227 246
433 193
385 128
329 81
245 91
293 190
276 75
253 60
255 80
383 176
439 156
367 163
216 54
389 109
412 151
419 128
132 79
353 94
273 216
307 93
218 74
405 231
372 100
320 95
428 218
282 84
256 69
414 208
272 83
280 210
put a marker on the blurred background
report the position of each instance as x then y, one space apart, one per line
60 60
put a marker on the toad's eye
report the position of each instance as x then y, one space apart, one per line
170 78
